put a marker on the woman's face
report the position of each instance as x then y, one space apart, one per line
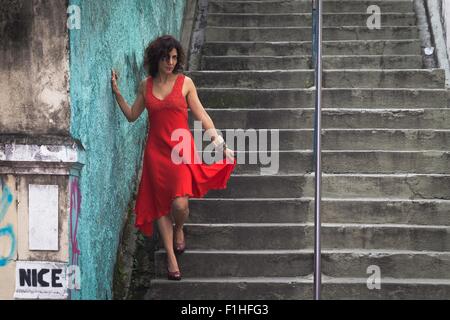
168 63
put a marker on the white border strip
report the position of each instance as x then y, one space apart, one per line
40 153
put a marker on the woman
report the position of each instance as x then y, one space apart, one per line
166 185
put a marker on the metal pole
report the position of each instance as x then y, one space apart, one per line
318 158
314 33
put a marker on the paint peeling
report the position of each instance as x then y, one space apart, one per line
45 153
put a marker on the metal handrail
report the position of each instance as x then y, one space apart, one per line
317 58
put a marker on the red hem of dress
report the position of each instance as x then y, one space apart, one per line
148 224
146 227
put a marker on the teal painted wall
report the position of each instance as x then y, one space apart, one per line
113 34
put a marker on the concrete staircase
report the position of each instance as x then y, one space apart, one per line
386 142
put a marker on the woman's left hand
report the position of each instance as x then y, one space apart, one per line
114 77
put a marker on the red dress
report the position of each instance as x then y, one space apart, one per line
162 179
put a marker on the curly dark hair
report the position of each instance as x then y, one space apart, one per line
160 48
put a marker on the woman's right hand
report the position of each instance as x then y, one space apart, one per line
229 154
114 77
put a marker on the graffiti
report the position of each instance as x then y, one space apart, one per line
73 271
5 200
75 201
8 231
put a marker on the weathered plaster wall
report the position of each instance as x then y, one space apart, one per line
112 34
34 68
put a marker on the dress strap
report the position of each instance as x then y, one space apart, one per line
183 78
180 81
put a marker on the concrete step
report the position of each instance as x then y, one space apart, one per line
291 162
291 48
305 6
304 62
293 263
373 62
344 78
331 118
305 20
296 288
369 98
388 186
336 139
278 236
333 210
304 33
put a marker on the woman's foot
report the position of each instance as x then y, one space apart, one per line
172 263
173 275
179 243
173 271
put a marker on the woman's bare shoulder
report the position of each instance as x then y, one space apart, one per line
143 84
146 79
189 82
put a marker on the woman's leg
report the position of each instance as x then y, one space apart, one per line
166 230
180 213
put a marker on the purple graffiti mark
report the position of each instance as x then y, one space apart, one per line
5 201
75 201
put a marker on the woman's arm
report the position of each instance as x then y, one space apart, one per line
198 111
133 113
200 114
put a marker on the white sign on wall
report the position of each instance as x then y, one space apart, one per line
40 280
43 217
